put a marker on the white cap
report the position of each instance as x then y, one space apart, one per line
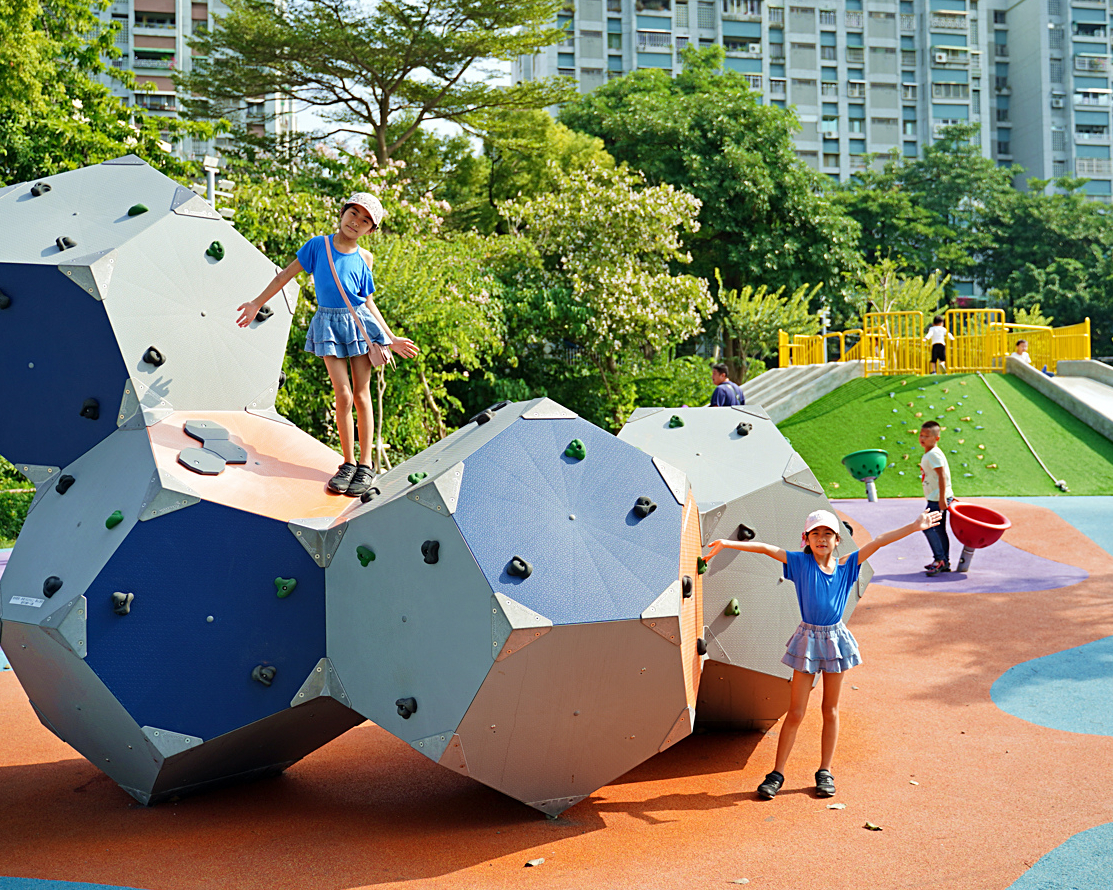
369 203
822 518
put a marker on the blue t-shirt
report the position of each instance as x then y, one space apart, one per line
726 394
353 272
822 597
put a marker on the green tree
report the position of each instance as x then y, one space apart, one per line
54 114
883 287
603 284
753 317
367 66
766 217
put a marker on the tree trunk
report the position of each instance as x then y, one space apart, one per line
431 402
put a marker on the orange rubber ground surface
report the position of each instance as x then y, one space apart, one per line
994 792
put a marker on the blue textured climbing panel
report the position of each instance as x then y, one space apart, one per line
518 494
167 664
57 349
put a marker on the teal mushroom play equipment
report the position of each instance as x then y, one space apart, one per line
975 527
866 466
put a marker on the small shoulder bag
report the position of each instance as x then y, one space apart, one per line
379 354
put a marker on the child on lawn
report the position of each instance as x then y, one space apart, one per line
347 328
938 335
935 474
822 643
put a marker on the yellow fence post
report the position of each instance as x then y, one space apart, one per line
896 344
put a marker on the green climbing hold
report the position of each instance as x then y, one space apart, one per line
285 586
732 608
576 449
114 520
136 209
216 251
414 478
365 555
701 565
675 421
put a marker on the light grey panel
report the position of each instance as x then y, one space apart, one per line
798 473
71 628
80 709
65 535
89 205
165 495
547 409
186 202
168 293
167 743
400 628
92 273
319 540
514 626
720 464
322 681
442 492
435 745
732 697
42 477
674 479
573 711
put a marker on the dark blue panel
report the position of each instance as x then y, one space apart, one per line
64 333
169 666
605 565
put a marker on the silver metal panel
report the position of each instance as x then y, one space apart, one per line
556 806
453 757
319 540
322 681
399 627
547 409
720 464
798 473
65 535
573 711
265 399
125 161
642 413
753 411
663 614
43 478
732 697
683 727
441 493
186 202
80 709
71 629
167 743
165 495
674 479
92 273
514 626
435 745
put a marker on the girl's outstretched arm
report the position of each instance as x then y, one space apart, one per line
925 521
719 546
248 311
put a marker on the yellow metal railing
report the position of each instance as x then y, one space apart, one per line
894 343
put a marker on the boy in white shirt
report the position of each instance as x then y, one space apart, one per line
1022 352
938 336
935 474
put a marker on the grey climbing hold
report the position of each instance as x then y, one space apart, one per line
687 586
482 417
264 673
64 483
230 451
51 586
745 533
743 429
121 602
153 357
430 551
40 188
519 568
407 707
264 313
643 506
65 242
701 646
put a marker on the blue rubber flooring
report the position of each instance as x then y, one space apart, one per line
1084 862
4 666
35 884
1093 516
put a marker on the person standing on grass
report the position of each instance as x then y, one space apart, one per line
938 336
935 474
342 334
822 644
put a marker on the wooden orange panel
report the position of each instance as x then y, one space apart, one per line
691 610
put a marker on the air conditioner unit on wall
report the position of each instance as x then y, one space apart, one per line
941 57
1058 103
755 47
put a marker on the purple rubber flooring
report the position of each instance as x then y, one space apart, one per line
1001 568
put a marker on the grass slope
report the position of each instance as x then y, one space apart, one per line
886 412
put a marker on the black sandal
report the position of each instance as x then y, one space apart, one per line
768 789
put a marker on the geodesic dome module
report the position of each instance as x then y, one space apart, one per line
750 485
521 604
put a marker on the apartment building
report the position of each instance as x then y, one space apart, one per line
152 39
872 75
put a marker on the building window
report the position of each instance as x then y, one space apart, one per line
976 103
854 19
856 125
777 88
1059 168
856 89
753 81
741 7
682 15
1058 139
654 40
653 5
1004 148
1055 38
908 91
741 45
908 58
776 52
681 44
909 128
705 15
998 16
566 72
950 91
1088 29
776 15
828 17
614 41
1056 70
830 160
829 53
1054 7
162 21
829 89
1090 130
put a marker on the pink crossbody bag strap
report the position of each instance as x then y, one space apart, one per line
379 354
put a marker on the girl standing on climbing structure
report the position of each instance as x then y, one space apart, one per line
822 643
343 333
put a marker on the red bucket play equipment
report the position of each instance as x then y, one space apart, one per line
976 527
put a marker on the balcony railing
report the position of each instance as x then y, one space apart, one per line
829 89
948 23
1091 63
855 89
999 50
776 16
167 63
855 55
1099 138
1093 167
854 18
907 22
1090 100
654 41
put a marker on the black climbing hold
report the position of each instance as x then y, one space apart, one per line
65 242
51 586
732 608
64 484
701 565
40 188
414 478
264 313
687 586
216 251
498 406
285 586
365 555
136 209
5 300
675 421
519 568
743 429
90 408
281 379
121 602
701 646
849 528
745 533
263 673
114 520
373 491
576 449
153 357
483 416
643 506
430 551
406 707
